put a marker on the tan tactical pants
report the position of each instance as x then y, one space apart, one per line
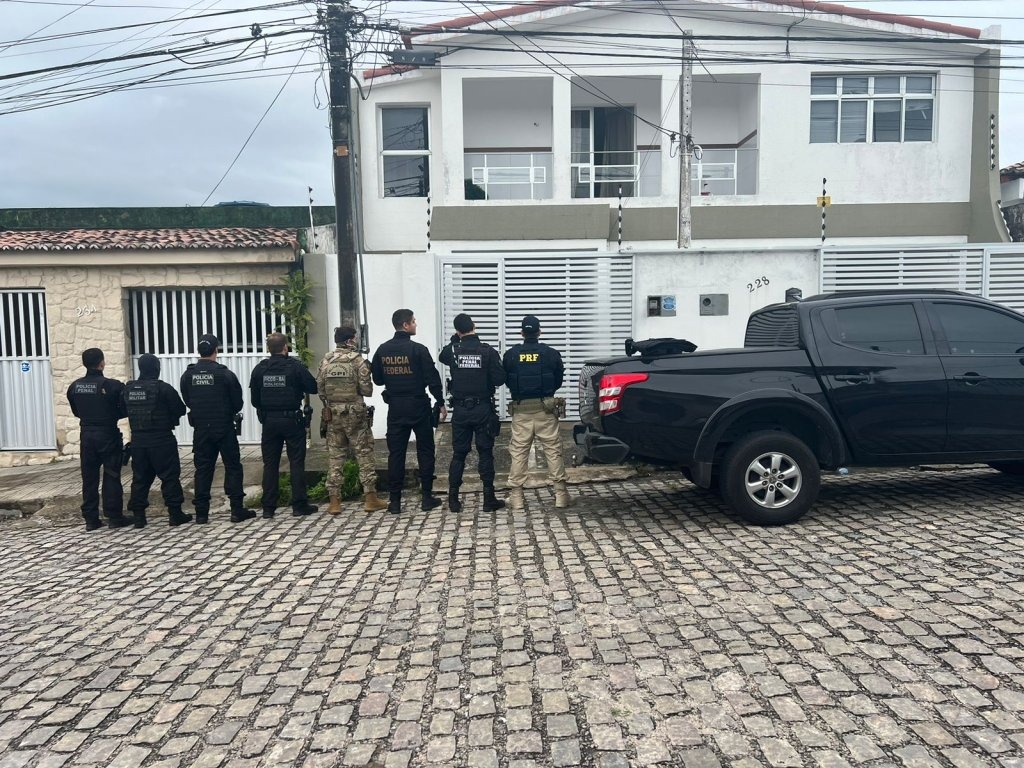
531 422
348 433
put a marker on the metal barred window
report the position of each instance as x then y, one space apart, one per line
169 322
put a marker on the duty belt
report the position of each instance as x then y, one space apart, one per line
528 400
291 412
468 402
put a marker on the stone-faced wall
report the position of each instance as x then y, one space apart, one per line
85 308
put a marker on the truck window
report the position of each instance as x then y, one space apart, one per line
778 327
974 330
879 328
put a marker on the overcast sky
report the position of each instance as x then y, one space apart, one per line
170 145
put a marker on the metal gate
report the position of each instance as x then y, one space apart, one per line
169 322
26 378
584 302
993 271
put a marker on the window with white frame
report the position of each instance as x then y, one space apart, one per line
405 151
852 109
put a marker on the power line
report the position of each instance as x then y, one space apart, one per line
255 127
148 54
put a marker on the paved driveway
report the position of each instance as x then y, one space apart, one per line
642 626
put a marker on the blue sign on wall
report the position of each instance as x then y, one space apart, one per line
26 367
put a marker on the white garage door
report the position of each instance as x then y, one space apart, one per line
584 302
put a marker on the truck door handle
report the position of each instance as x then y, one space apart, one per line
971 378
853 378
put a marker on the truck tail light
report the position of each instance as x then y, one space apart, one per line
609 396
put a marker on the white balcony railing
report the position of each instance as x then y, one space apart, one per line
724 172
508 175
604 174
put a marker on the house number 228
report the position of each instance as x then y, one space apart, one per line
759 282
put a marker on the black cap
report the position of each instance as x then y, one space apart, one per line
531 325
208 344
149 365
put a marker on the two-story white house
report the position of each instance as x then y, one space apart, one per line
534 167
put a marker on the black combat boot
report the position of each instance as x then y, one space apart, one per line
177 517
140 519
429 501
491 502
395 502
268 514
241 515
93 524
202 518
305 509
119 521
454 504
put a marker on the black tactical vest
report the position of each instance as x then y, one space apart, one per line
208 395
276 390
144 411
95 406
469 374
531 375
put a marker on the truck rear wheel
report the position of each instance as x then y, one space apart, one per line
770 478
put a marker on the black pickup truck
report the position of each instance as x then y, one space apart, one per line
892 378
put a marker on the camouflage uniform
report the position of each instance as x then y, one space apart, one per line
343 381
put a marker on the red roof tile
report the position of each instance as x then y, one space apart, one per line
147 239
813 6
1010 172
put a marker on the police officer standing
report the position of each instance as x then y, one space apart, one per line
214 397
535 373
96 401
278 385
154 410
405 369
343 380
476 371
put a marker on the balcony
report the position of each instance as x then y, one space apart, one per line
524 139
508 175
616 174
724 172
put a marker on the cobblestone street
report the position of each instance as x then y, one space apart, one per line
642 626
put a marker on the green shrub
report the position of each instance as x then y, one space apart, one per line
351 487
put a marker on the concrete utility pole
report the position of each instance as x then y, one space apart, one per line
685 144
339 22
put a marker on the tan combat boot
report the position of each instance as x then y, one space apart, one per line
562 499
373 504
516 500
335 506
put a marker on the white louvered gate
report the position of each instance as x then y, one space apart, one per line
993 271
26 377
168 324
584 302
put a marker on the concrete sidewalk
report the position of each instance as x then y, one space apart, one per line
52 492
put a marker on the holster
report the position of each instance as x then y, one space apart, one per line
369 416
435 416
560 408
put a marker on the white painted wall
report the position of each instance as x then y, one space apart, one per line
790 168
688 275
397 223
399 281
507 113
724 111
